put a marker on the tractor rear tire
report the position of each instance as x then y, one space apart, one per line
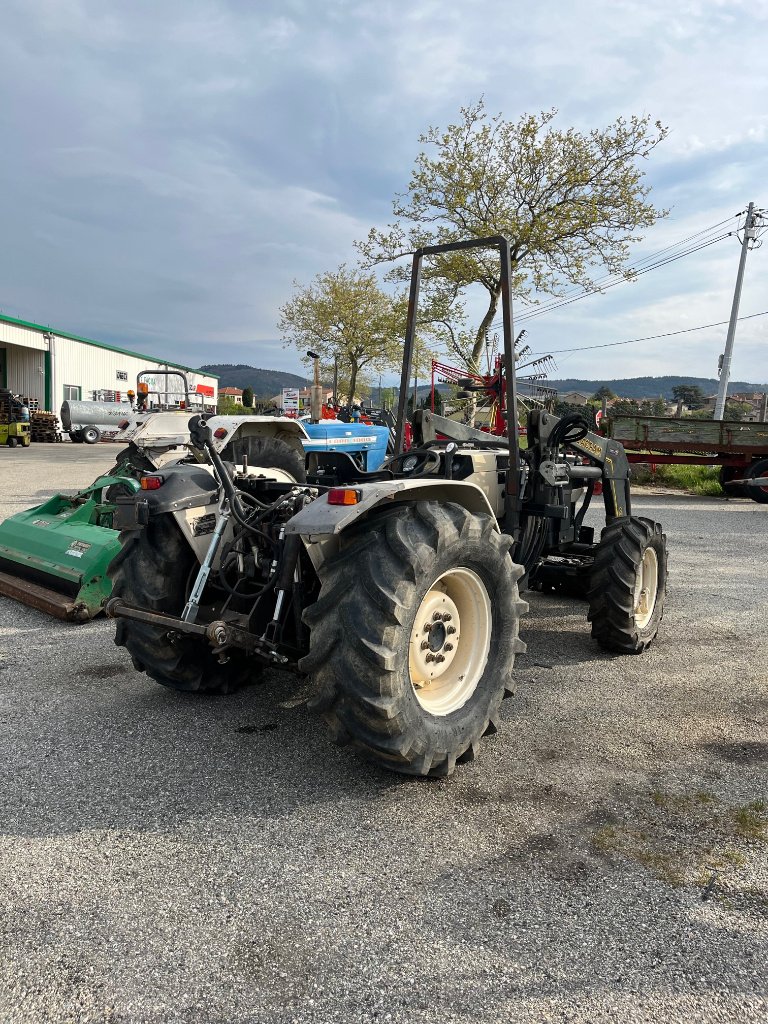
758 494
394 674
628 585
268 453
152 571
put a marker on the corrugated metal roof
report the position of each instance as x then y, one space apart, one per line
102 344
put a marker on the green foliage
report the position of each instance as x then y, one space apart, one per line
570 202
697 479
343 315
248 397
690 395
603 393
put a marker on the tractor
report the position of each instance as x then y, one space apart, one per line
396 591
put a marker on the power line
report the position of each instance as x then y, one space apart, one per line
651 337
622 280
637 270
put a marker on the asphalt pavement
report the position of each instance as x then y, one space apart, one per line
165 857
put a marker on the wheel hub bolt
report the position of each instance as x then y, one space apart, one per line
425 645
447 617
448 647
451 629
439 657
436 617
430 657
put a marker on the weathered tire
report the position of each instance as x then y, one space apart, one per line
91 435
76 437
365 650
727 473
267 452
12 442
628 585
152 571
758 494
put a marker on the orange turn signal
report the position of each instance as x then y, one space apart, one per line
343 496
220 432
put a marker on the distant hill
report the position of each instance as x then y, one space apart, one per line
649 387
265 383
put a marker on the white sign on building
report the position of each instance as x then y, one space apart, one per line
290 399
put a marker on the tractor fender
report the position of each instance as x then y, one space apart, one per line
184 486
319 519
280 427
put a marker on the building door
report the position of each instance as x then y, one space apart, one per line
3 368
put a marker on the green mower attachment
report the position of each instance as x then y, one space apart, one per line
54 557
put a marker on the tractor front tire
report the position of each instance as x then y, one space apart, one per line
152 571
414 634
628 585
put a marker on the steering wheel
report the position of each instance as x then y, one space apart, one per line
416 462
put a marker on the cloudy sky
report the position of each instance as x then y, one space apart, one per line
169 169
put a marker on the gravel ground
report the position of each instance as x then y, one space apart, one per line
171 858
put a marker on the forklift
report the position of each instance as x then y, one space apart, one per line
14 420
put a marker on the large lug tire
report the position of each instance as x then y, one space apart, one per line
414 634
267 452
758 494
91 435
153 571
628 585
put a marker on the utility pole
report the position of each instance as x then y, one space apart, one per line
725 372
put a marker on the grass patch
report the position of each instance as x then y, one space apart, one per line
698 479
683 838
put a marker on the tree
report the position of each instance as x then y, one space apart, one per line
603 393
343 315
569 202
248 397
690 395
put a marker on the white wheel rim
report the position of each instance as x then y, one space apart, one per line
450 641
646 588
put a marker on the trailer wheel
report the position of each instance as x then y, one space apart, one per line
152 571
758 494
76 436
91 435
414 635
628 585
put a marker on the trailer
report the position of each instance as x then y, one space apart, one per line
739 449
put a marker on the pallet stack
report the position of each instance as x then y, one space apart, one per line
5 407
44 426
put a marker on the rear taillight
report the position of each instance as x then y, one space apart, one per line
343 496
220 432
151 483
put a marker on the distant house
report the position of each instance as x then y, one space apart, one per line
575 398
232 394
